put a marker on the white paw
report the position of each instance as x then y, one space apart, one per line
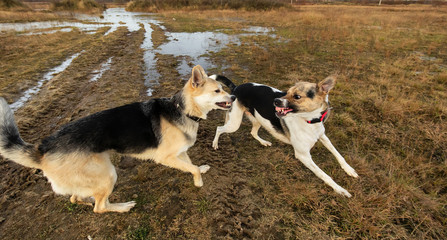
215 144
343 192
351 172
204 168
130 204
125 207
266 143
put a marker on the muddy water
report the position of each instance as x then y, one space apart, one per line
104 68
190 48
48 76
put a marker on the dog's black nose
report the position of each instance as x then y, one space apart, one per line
233 98
277 102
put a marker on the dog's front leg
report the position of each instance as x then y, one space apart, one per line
183 163
341 160
306 159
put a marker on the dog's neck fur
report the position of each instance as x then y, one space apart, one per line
300 131
191 108
188 106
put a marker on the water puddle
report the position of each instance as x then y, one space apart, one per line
104 68
112 17
24 27
151 74
119 17
69 29
190 48
424 57
258 30
48 76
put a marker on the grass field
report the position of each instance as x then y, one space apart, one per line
388 121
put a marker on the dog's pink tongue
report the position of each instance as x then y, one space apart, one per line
278 109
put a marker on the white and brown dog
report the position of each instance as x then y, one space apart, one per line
295 117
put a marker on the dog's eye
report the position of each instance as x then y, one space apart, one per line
217 91
296 96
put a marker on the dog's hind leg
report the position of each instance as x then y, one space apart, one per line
306 159
255 129
104 180
102 194
83 201
103 205
348 169
232 125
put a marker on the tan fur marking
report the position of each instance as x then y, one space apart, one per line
305 104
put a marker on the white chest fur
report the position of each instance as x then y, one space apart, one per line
302 133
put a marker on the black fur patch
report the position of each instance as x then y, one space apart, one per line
128 129
310 94
12 137
260 98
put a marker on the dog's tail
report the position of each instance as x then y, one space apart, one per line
227 82
12 145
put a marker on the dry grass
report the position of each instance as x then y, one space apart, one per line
31 16
14 5
86 6
389 119
390 112
26 58
155 6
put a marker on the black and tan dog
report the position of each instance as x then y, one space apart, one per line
76 158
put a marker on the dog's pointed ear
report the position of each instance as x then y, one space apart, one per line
327 84
198 77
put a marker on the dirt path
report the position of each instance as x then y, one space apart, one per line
389 106
168 204
67 97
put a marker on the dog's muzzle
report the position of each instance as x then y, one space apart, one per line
281 107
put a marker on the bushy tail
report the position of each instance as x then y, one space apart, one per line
227 82
11 145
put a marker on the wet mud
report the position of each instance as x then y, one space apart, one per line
111 71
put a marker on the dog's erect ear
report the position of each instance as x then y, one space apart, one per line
327 84
198 77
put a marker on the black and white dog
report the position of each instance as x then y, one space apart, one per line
295 117
76 159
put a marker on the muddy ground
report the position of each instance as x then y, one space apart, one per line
251 191
168 204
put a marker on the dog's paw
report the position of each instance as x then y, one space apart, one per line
125 207
266 143
215 145
343 192
204 168
351 172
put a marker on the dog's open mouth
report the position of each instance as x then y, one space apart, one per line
281 112
224 104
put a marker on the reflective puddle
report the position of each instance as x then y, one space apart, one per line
104 68
190 48
48 76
